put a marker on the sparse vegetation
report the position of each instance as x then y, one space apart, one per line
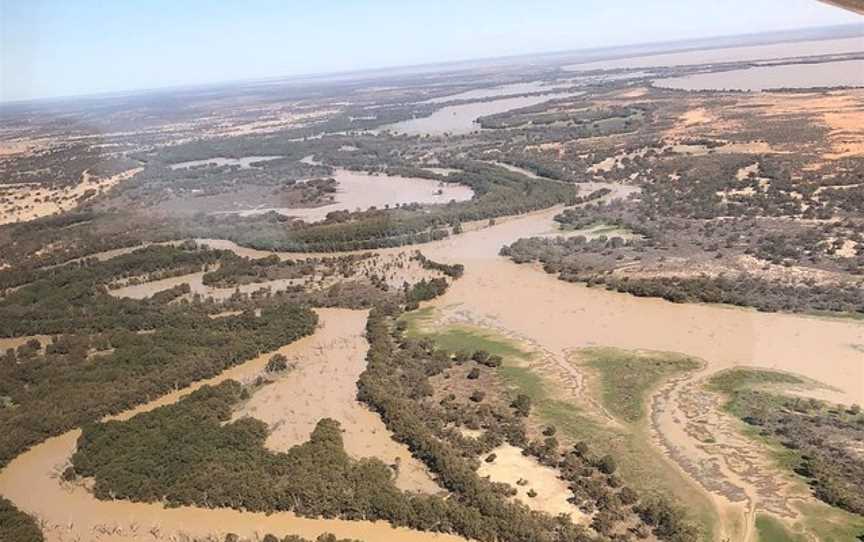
627 377
820 438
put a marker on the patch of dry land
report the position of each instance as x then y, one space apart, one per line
394 268
23 202
194 280
840 112
526 474
69 512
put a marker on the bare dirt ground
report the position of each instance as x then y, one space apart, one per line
842 112
194 280
510 466
19 203
393 268
15 342
324 385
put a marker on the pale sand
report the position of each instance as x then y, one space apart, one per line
511 465
842 112
12 147
324 385
22 204
194 280
394 268
15 342
697 117
68 512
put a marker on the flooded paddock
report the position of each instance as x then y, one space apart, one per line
498 91
359 191
729 54
845 73
462 119
323 384
245 162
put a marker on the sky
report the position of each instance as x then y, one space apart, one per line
51 48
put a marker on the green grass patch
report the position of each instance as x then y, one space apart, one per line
609 230
465 338
640 465
755 396
461 337
745 398
831 524
773 530
416 320
627 377
785 458
733 380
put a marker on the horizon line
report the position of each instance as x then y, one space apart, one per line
768 34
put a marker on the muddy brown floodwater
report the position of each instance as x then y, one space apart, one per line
845 73
461 119
69 512
324 385
357 190
524 302
737 475
730 54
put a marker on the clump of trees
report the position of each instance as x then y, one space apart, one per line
453 271
576 259
276 363
66 387
16 526
820 436
425 290
216 464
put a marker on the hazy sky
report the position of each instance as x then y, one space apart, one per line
67 47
